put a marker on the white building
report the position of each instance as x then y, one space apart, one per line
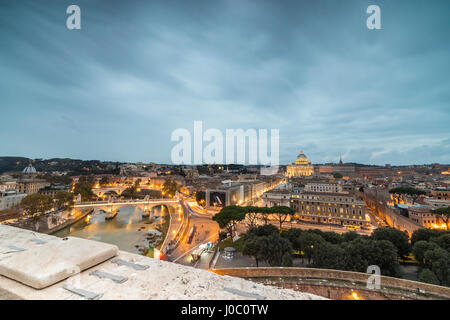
324 187
10 198
8 185
274 198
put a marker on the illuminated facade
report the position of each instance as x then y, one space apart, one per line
301 167
321 206
422 215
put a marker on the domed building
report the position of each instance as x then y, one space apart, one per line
29 170
301 167
28 183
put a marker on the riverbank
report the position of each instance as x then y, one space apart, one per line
40 224
69 222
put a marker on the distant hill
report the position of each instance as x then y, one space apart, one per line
13 164
72 166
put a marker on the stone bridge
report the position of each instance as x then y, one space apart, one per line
147 204
100 192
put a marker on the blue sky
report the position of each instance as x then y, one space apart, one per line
137 70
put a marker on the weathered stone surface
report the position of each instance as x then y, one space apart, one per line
42 263
161 280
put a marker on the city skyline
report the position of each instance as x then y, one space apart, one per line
226 164
116 89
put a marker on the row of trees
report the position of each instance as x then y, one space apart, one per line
431 248
38 204
351 251
330 250
230 215
265 244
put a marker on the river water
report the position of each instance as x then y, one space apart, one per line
128 229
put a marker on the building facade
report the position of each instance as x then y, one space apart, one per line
31 186
337 208
422 215
10 198
274 198
8 185
441 193
301 167
324 187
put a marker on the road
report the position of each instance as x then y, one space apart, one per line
206 230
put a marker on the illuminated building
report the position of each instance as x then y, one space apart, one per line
441 193
337 207
301 167
29 184
422 215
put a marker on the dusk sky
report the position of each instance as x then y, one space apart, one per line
137 70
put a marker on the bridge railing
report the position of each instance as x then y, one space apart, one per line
169 200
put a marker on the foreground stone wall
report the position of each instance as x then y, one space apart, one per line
389 282
46 274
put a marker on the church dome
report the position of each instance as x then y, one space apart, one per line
302 159
29 169
301 167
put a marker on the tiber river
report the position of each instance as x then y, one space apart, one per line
128 229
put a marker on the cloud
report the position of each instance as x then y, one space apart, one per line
116 89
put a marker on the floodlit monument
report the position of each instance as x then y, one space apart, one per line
301 167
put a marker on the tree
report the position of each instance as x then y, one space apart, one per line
259 231
228 216
104 181
36 204
293 236
137 183
350 236
264 243
130 192
398 238
419 249
309 242
252 214
264 214
444 213
63 199
277 247
255 247
428 276
332 237
84 188
439 262
329 256
281 212
286 261
443 241
200 197
363 252
169 188
424 234
337 175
